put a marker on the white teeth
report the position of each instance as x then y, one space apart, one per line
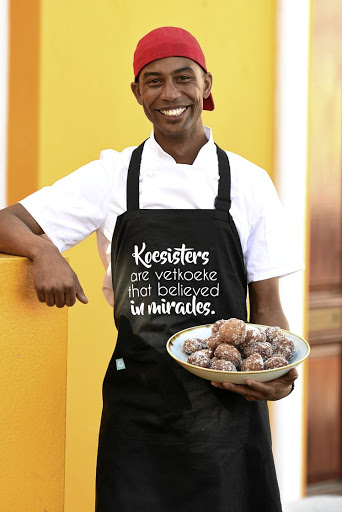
173 112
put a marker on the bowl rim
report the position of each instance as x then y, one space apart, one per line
183 363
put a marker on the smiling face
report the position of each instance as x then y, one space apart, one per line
171 91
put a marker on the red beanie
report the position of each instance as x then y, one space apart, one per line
169 42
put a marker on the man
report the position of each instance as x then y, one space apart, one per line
183 228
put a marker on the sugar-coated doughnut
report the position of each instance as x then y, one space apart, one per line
207 351
253 334
228 352
213 341
216 326
253 363
193 344
259 347
284 347
233 331
222 364
275 362
199 359
273 333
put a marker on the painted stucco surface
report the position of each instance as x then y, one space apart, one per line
33 355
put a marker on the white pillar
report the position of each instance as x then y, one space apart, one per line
292 75
3 97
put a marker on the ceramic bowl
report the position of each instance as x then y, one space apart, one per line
175 344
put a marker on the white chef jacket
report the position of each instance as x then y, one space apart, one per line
91 198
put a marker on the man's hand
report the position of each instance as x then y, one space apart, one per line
55 282
254 390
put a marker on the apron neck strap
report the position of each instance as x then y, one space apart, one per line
132 190
222 201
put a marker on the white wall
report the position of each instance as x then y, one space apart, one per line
3 96
293 26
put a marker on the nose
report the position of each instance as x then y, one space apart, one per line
170 91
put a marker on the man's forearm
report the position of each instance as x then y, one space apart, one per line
16 238
272 317
17 235
265 305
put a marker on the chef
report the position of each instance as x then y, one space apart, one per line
184 230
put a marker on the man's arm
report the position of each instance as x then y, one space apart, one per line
265 309
265 305
55 281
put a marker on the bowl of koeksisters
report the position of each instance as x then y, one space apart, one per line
233 351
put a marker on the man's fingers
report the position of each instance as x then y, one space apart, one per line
65 296
262 387
246 391
40 295
255 390
59 298
240 389
49 299
288 378
55 281
81 297
251 398
291 376
70 297
80 293
236 388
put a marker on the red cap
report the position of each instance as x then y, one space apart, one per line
169 42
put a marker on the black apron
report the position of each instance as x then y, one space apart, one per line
170 441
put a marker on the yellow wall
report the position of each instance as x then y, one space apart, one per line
85 105
33 343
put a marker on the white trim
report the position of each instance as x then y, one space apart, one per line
4 22
292 75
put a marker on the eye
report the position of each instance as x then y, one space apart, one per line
184 78
153 81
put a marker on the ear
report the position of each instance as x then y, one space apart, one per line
208 83
135 86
